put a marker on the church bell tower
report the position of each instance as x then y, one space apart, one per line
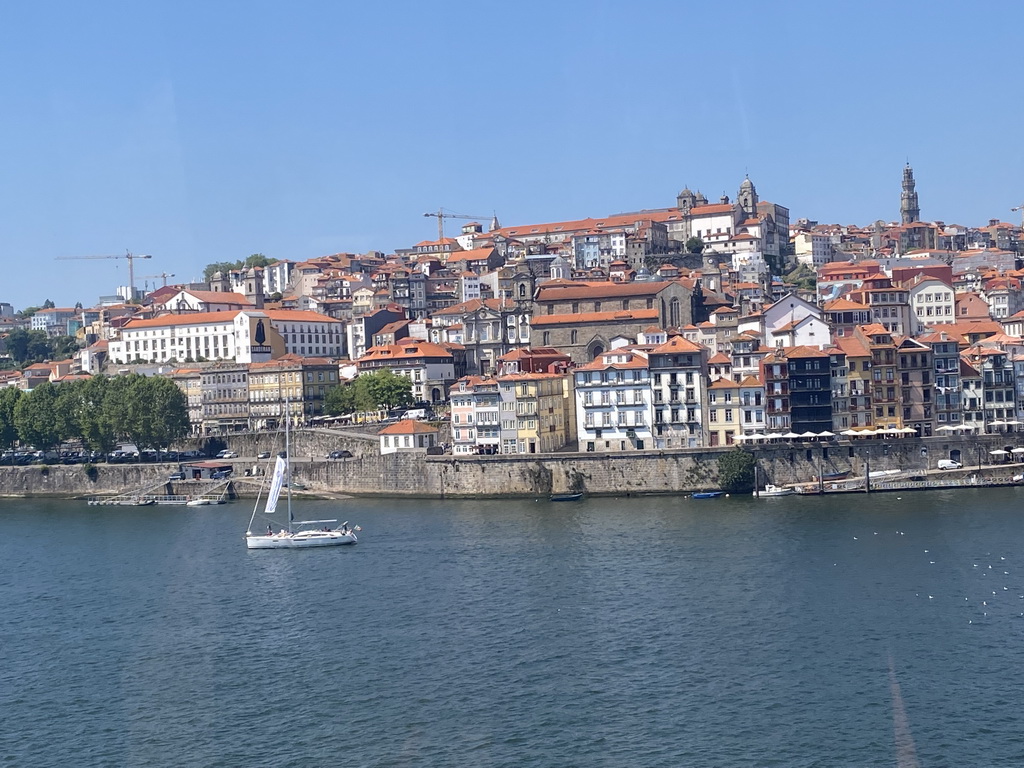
910 211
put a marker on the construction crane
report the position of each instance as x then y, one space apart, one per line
126 255
441 214
163 275
1021 209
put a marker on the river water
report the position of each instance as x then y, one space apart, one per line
881 630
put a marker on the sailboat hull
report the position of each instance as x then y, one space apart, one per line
300 540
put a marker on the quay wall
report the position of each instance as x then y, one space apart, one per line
642 472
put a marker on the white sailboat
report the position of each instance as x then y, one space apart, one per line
297 534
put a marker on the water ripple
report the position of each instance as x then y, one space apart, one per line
665 633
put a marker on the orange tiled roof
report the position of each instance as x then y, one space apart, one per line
724 383
477 254
677 344
407 427
407 349
601 364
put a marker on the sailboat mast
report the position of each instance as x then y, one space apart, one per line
288 455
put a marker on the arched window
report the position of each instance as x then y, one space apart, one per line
573 334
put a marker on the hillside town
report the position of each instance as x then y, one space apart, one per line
705 323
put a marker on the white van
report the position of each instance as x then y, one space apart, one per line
949 464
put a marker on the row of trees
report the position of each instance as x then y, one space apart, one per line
27 347
256 260
369 392
100 412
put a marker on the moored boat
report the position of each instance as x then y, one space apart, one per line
775 490
295 534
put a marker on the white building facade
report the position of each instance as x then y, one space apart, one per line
242 337
614 410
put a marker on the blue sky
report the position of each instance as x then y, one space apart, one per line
207 131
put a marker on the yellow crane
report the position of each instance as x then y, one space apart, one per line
131 257
441 214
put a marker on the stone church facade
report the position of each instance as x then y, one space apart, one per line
584 319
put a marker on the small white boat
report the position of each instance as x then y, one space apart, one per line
775 490
198 503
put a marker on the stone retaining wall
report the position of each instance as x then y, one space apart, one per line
402 474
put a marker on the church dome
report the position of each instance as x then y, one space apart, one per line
747 183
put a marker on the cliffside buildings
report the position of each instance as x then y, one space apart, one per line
605 334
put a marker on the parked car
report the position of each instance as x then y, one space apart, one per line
227 454
220 474
177 476
949 464
339 455
263 455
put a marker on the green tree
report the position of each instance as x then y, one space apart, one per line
34 418
386 389
694 245
168 410
150 411
48 304
802 277
27 347
94 423
63 347
340 400
368 392
119 407
66 410
257 260
9 397
220 266
736 472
